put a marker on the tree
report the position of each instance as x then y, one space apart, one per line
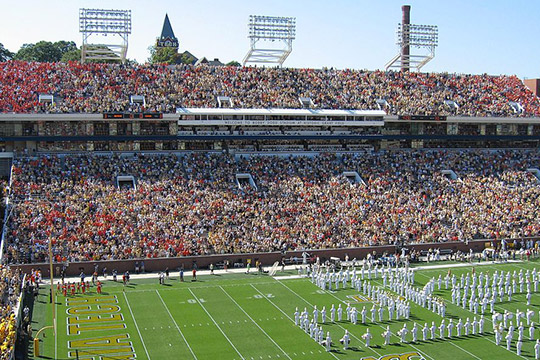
65 46
5 54
233 63
72 55
45 51
163 55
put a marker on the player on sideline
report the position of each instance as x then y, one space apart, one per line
537 349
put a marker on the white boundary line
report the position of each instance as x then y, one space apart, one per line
310 304
260 328
136 326
175 324
215 323
55 329
196 287
463 264
283 312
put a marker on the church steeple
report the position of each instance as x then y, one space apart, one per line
167 38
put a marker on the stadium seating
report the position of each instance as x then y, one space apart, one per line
192 205
95 88
10 286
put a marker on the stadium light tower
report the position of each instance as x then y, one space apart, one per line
415 36
116 23
269 29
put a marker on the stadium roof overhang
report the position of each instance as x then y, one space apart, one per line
279 112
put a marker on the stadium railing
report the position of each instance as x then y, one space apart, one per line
7 210
267 258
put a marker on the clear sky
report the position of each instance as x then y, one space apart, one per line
475 36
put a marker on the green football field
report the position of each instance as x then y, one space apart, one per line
249 316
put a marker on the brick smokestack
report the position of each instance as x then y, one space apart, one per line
405 50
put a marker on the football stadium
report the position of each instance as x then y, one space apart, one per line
183 208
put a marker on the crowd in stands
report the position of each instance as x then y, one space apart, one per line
10 287
192 205
96 88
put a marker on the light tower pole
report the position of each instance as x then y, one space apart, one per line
267 30
417 37
116 23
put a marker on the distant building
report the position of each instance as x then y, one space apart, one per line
167 38
187 58
205 61
533 85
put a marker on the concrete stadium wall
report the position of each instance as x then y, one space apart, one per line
160 264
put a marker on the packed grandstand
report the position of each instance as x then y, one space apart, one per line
184 203
192 204
97 88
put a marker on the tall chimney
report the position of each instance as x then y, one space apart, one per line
405 49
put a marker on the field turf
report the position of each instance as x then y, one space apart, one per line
250 316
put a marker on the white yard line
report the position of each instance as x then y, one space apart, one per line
260 328
136 326
462 349
459 347
487 318
310 304
283 312
175 324
288 277
215 323
382 327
